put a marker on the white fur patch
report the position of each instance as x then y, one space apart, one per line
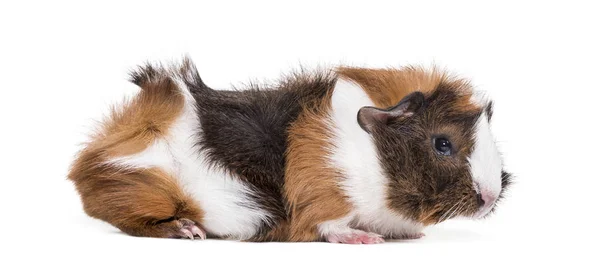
479 98
336 227
229 210
485 161
364 183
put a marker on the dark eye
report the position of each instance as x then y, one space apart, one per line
442 145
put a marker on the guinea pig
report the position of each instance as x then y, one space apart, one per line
345 155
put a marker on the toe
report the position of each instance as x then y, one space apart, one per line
372 238
198 232
414 236
189 229
186 233
356 237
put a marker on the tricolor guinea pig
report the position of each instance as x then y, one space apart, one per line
346 155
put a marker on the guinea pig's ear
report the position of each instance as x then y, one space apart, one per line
369 117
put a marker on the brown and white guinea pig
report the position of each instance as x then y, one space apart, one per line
350 155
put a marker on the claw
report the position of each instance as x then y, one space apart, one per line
187 233
198 232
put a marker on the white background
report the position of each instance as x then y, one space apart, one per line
62 65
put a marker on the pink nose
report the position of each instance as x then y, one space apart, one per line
486 199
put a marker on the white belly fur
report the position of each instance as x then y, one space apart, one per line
229 211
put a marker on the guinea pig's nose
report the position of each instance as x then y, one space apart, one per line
485 199
480 201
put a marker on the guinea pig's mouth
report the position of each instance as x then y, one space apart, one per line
488 209
465 208
484 211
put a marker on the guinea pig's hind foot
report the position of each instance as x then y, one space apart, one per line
355 237
186 228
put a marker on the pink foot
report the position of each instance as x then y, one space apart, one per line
356 237
189 229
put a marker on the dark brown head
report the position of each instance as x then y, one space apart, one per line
438 153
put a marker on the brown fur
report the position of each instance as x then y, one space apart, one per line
311 185
132 128
279 233
144 202
386 87
140 202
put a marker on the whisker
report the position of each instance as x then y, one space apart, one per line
459 210
443 217
462 203
459 203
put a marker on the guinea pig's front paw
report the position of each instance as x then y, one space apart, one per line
355 237
408 236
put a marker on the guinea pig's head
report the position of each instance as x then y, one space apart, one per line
438 152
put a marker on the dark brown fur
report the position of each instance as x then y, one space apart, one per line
247 132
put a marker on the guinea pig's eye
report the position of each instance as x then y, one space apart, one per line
442 145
